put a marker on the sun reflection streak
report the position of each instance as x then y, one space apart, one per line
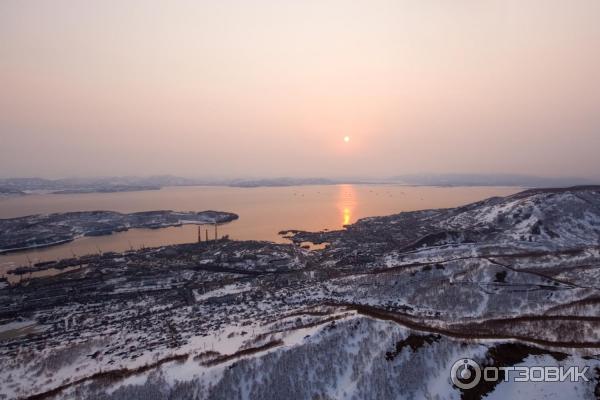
346 203
346 216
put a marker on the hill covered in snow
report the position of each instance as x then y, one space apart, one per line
382 312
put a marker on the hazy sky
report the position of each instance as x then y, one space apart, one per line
270 88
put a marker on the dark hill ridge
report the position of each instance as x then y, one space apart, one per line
44 230
572 189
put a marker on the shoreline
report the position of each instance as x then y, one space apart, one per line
48 230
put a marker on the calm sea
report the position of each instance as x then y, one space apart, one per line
263 211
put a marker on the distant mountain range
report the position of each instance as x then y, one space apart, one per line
489 180
22 186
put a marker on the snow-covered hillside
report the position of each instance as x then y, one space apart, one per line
382 312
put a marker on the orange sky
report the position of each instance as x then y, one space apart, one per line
270 88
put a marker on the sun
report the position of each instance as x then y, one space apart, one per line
346 139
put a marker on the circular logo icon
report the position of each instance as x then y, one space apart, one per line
465 373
